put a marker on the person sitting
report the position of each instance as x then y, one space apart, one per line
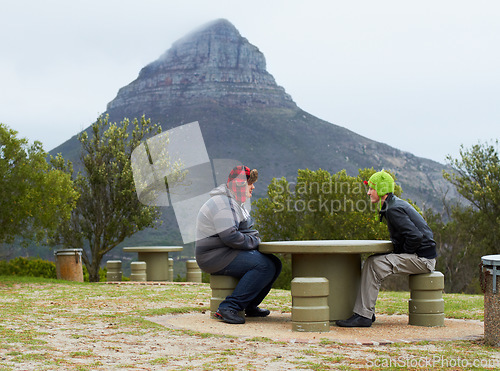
414 248
227 244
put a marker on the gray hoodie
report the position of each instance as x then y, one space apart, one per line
223 228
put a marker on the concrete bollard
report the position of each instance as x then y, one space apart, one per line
114 270
138 271
426 305
222 286
193 271
310 311
170 269
490 283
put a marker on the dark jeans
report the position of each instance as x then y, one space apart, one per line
256 272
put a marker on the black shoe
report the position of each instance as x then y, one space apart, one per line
373 318
355 321
257 312
229 316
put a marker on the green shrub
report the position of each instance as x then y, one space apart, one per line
179 278
284 280
28 267
4 268
102 274
36 267
205 277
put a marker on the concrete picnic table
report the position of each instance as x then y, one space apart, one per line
156 258
337 260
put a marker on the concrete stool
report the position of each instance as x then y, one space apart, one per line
138 271
426 305
193 272
170 269
222 286
310 311
113 270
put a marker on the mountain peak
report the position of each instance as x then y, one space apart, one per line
211 64
217 28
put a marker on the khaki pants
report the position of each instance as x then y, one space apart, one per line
379 267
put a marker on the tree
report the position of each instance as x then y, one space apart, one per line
474 227
319 206
35 197
476 176
108 210
454 248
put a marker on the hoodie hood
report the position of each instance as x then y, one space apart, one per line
221 190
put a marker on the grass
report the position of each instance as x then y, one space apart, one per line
107 327
458 306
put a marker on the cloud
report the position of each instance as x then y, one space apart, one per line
424 74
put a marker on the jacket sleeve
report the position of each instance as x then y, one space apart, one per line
231 236
403 226
238 240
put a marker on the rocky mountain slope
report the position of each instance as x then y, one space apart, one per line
216 77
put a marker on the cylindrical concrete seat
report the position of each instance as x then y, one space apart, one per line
113 270
310 310
193 271
170 269
426 305
222 286
138 271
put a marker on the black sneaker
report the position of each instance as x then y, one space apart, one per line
229 316
257 312
355 321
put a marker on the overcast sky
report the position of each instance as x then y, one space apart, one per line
422 76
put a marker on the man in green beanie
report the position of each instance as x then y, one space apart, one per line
414 248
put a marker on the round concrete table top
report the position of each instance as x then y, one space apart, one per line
327 247
152 249
491 259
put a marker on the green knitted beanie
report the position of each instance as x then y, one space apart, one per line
382 183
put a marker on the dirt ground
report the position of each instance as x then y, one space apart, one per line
80 328
385 330
260 344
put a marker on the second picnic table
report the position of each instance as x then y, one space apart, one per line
156 258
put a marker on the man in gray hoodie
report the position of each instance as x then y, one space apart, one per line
227 244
